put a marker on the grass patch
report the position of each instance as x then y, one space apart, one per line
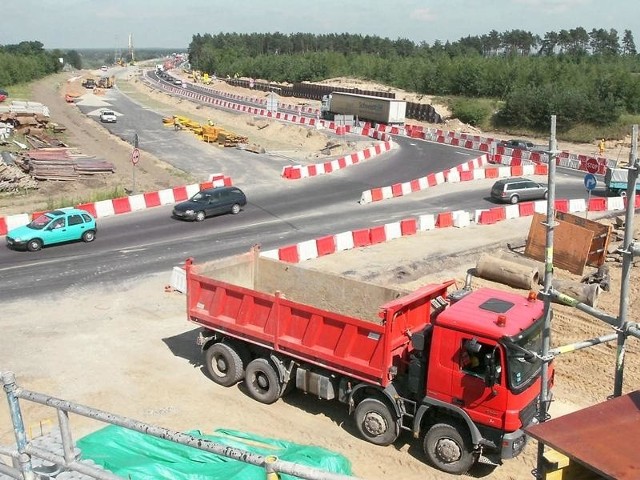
20 91
91 197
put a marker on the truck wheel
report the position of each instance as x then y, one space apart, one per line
375 422
262 381
448 450
223 364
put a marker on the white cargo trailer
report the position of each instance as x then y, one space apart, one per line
364 107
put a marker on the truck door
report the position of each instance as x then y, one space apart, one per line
478 384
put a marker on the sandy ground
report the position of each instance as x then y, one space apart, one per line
127 348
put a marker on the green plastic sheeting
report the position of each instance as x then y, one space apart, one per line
137 456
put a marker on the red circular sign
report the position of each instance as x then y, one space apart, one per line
135 156
592 165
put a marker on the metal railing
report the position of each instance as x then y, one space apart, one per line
23 469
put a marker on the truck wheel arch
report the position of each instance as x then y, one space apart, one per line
455 413
363 391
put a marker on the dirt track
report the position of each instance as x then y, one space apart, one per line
128 349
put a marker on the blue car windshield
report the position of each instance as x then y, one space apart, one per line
40 222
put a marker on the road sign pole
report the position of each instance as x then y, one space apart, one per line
590 183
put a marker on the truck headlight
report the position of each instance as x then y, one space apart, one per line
519 443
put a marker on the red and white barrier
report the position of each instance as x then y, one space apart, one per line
330 244
475 169
295 172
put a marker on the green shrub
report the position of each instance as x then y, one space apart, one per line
471 111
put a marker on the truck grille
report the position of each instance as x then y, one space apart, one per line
528 413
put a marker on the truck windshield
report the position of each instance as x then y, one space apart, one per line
523 368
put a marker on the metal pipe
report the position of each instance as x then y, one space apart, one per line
89 470
13 393
10 471
572 347
280 466
572 302
627 261
65 436
634 331
544 398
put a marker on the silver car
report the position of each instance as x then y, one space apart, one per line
514 190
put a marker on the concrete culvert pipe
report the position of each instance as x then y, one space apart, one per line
507 272
586 293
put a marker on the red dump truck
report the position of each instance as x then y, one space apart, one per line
458 369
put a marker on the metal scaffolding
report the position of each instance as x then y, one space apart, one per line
25 449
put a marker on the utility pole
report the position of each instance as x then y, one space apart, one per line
627 261
543 402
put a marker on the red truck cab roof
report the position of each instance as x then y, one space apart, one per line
492 313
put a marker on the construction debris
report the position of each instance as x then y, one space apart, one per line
45 157
13 179
209 133
60 163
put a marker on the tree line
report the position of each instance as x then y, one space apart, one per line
27 61
581 77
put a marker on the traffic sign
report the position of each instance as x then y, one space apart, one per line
590 181
135 156
592 165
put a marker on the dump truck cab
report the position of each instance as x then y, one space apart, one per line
483 368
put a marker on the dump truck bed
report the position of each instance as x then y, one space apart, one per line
354 328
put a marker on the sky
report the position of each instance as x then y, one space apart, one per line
77 24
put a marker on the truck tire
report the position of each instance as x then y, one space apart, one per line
448 450
262 381
375 422
223 364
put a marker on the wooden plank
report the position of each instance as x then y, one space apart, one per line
571 244
601 236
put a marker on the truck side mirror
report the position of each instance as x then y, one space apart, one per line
492 371
472 346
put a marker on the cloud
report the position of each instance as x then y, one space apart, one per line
423 15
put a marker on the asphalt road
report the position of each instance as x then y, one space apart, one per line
280 212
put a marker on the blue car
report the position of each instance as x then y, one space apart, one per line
54 227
